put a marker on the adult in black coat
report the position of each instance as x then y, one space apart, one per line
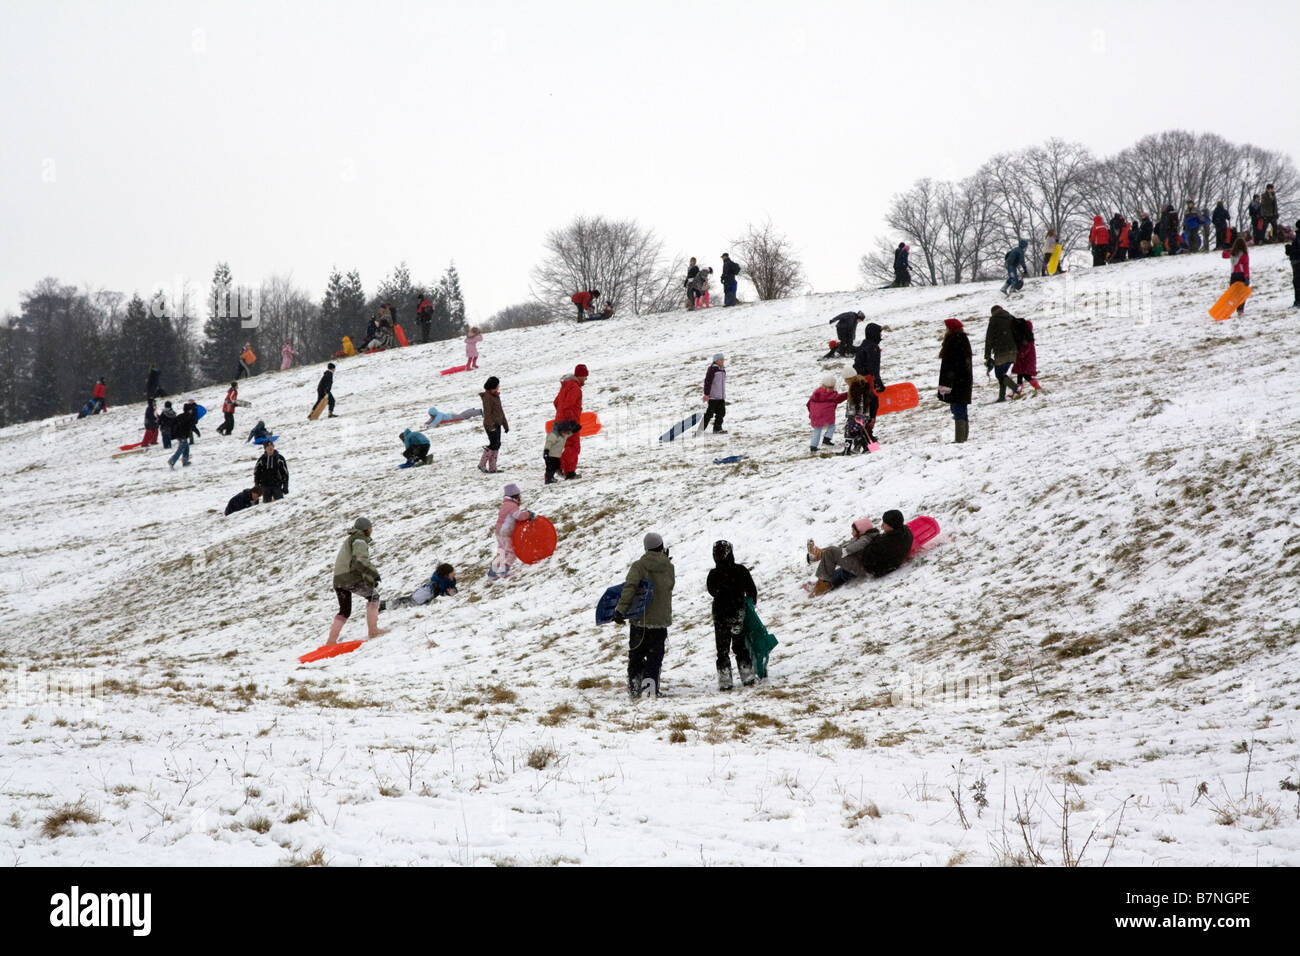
245 499
272 473
846 330
1116 227
867 361
152 388
324 389
1220 218
1168 225
730 270
956 379
1146 228
1292 250
730 583
889 549
902 274
167 423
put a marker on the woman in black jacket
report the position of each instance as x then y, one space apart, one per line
955 377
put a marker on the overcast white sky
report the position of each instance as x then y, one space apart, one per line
146 140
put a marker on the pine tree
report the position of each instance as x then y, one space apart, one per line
398 291
224 335
450 287
352 307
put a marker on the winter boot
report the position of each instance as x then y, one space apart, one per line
821 588
1002 388
634 687
724 678
485 458
827 442
570 475
747 674
492 462
963 430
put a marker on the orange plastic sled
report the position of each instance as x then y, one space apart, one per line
898 397
1237 293
401 336
589 422
249 356
534 540
330 650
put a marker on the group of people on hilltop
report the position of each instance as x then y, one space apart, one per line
1172 232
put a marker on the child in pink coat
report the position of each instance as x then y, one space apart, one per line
286 356
821 412
508 516
471 347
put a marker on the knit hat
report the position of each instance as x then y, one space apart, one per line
580 371
952 324
828 381
718 356
512 490
330 366
863 525
893 518
361 524
491 383
653 541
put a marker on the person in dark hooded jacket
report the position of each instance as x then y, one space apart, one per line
867 360
271 473
902 273
1220 218
166 423
1293 253
1000 350
1016 266
956 380
730 584
846 330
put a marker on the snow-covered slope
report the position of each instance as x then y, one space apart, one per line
1102 641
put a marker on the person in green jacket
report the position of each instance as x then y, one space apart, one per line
648 632
354 574
1000 350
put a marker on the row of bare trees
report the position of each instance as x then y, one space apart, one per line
627 263
959 231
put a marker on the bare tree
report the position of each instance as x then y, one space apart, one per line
618 257
519 316
916 216
769 262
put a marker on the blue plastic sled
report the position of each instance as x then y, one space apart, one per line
199 412
266 438
609 601
729 460
681 427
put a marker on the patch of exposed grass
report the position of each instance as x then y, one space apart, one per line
499 694
542 757
258 824
557 714
593 683
58 820
826 731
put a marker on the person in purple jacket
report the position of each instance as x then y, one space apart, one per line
715 393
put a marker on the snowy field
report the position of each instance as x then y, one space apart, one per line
1095 663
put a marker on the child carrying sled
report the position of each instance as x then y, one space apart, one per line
510 513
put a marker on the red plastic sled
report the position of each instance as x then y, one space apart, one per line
923 529
898 397
330 650
454 369
534 540
589 422
1237 293
401 336
129 447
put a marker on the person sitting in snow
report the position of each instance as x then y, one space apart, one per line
870 550
245 499
259 431
508 515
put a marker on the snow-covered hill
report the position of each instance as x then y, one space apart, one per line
1103 641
